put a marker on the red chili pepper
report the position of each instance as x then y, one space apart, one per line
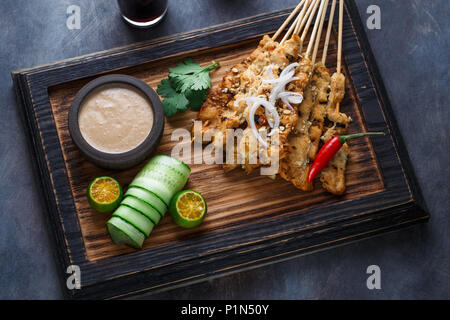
329 149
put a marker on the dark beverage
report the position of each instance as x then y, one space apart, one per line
143 13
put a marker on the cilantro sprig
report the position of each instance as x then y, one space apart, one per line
187 86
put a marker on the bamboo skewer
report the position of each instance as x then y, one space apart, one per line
311 17
319 33
302 17
290 30
306 10
327 37
286 22
309 13
315 29
305 16
341 22
295 25
339 57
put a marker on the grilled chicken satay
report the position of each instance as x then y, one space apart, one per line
304 144
340 121
218 111
322 81
302 127
280 58
294 167
284 55
333 175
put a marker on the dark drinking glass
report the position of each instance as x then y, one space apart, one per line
143 13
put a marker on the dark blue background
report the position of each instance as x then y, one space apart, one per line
412 52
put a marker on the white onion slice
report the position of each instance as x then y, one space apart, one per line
268 108
276 117
270 72
286 102
256 103
251 117
278 88
278 92
289 69
280 79
293 97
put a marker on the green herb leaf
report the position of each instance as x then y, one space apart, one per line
196 98
199 81
187 86
165 89
188 66
174 104
190 75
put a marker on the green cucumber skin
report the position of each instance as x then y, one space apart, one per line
143 208
151 190
121 231
173 177
135 218
148 197
164 176
165 168
169 162
153 186
166 160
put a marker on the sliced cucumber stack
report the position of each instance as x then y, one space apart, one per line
123 232
135 218
143 208
164 176
147 199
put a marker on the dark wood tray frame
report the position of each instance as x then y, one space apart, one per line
399 205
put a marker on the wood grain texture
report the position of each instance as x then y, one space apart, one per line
253 220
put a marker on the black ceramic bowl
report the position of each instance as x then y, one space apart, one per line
117 160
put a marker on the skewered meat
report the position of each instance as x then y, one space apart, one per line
333 175
218 111
304 144
244 100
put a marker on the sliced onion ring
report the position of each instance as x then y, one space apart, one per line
256 103
293 97
278 92
289 68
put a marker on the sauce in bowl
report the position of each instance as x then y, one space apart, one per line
115 118
116 121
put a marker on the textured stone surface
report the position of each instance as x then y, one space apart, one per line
412 53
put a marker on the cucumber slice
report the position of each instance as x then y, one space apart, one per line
123 232
176 171
172 179
172 162
135 218
143 208
149 198
163 189
164 176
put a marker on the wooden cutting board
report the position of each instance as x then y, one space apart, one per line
252 220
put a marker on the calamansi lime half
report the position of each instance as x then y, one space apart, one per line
188 208
104 194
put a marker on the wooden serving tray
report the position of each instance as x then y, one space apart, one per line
251 220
